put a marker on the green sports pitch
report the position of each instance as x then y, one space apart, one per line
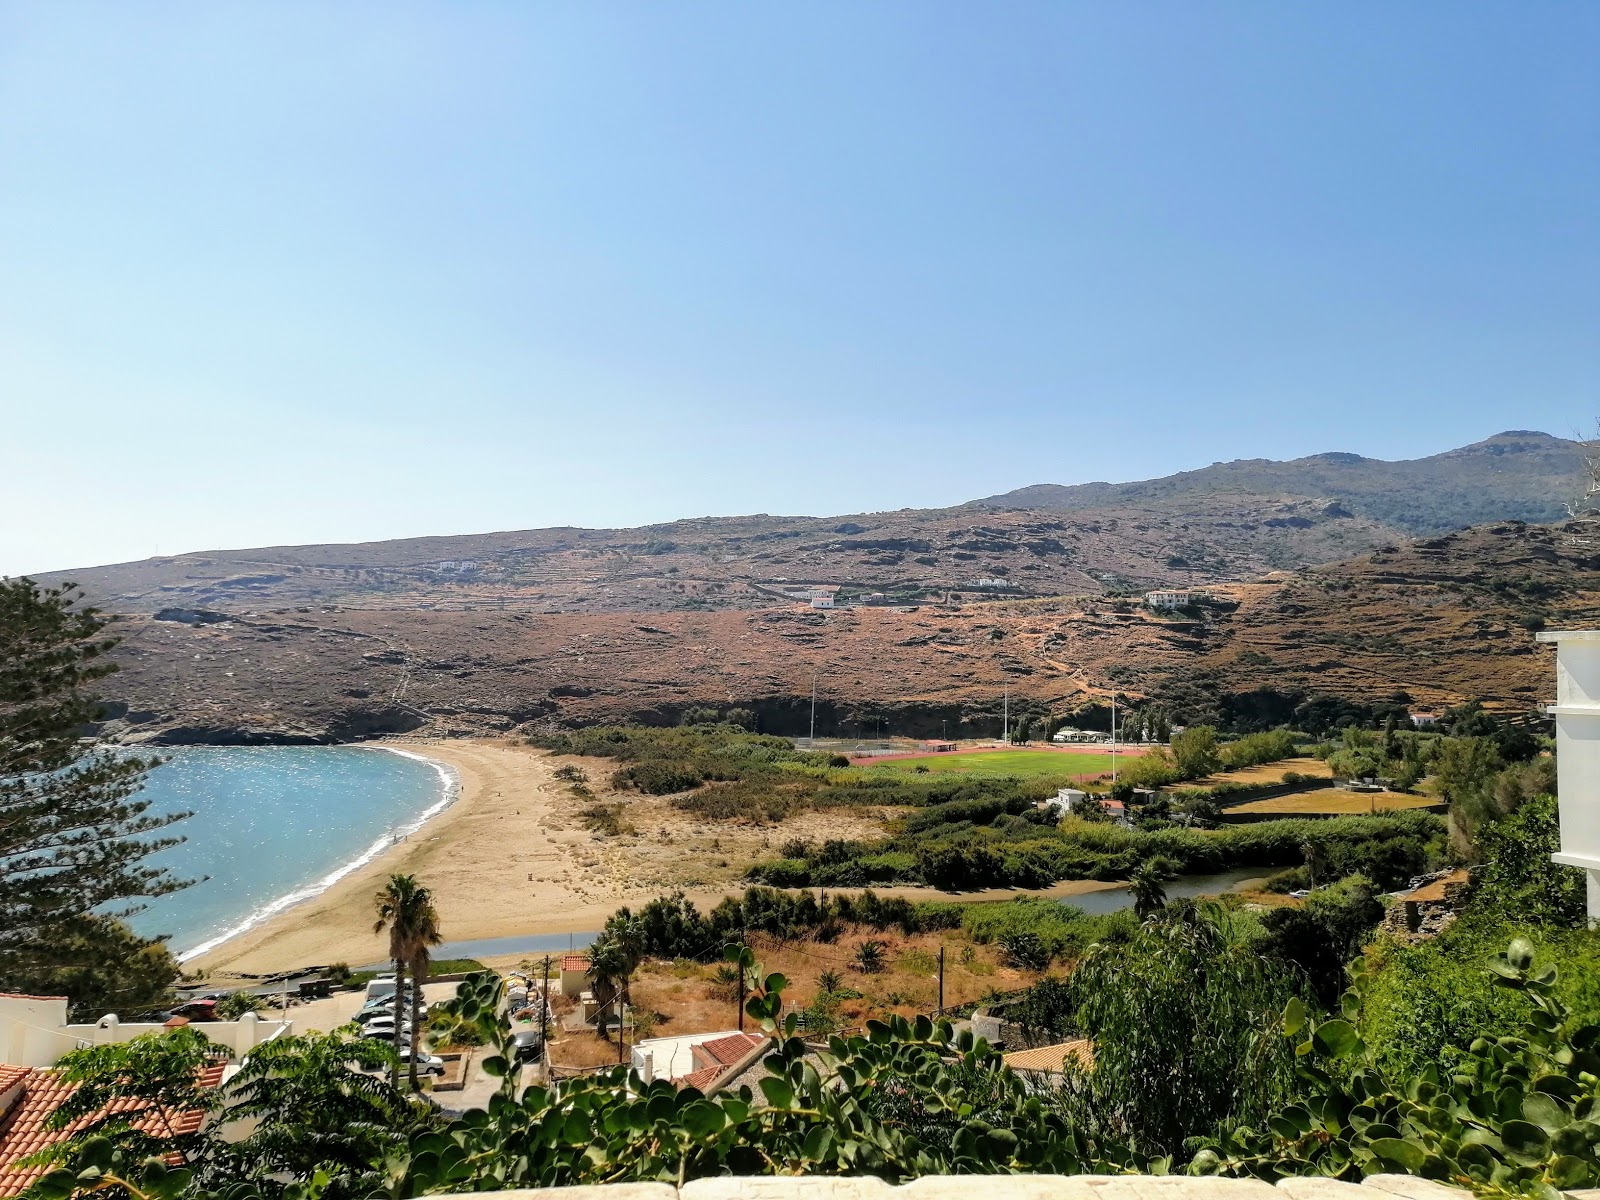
1007 762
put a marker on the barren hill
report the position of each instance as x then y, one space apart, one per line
1517 475
1227 523
1442 619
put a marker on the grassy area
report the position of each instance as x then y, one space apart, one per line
1008 762
1335 801
1315 768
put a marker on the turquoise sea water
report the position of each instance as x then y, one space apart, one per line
275 824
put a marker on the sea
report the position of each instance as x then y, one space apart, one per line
276 825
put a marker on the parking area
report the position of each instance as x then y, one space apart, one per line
322 1016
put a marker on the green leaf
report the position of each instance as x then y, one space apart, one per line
1294 1017
778 1092
1520 953
1407 1155
1335 1039
1568 1171
1525 1141
702 1118
1546 1112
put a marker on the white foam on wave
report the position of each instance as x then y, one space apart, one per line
450 790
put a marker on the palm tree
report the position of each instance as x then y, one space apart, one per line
1144 885
405 909
613 958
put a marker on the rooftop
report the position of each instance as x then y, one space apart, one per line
1051 1058
22 1126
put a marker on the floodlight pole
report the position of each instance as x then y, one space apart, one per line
1005 718
813 737
1113 737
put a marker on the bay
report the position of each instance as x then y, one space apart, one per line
274 825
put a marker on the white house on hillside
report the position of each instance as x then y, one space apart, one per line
1168 599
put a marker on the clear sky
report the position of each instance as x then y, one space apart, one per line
301 272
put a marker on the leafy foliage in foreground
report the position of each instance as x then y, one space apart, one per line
1519 1115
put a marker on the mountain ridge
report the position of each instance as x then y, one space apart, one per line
1226 523
1387 490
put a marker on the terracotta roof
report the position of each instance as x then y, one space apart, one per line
729 1050
1051 1058
700 1080
574 962
10 1075
23 1132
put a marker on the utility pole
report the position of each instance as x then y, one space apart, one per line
1005 718
941 981
813 707
544 999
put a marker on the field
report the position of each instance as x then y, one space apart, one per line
1334 801
685 997
1009 762
1268 772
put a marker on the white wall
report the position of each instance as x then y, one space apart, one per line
35 1033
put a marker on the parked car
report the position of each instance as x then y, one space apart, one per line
528 1045
427 1064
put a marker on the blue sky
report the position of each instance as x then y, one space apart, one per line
297 272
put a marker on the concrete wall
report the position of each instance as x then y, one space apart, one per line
34 1033
30 1030
1008 1187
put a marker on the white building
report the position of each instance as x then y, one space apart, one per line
1577 714
1168 599
1064 801
34 1031
822 602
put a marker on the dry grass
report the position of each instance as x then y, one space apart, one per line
1335 801
686 999
1268 773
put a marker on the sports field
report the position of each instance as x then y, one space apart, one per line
1008 762
1333 800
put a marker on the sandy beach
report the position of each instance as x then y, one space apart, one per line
512 856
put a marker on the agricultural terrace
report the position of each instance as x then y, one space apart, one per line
1025 763
1335 802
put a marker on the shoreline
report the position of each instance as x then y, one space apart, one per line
450 792
505 859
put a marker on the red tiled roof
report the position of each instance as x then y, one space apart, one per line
574 962
729 1050
10 1075
23 1132
700 1080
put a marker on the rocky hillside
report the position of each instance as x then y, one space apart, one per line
1442 619
754 562
1227 523
1519 475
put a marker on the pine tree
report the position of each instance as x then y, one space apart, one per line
73 837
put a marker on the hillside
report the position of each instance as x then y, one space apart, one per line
1517 475
1230 522
1443 619
720 563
